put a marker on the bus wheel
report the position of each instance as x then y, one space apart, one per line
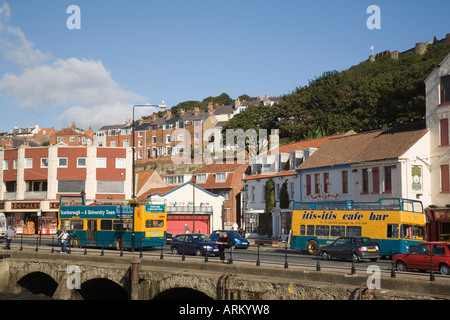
75 242
312 246
119 244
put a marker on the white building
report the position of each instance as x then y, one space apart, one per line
279 168
437 121
207 214
386 163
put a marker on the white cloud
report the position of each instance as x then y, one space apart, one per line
14 46
82 89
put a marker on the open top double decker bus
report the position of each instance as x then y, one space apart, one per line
112 225
394 225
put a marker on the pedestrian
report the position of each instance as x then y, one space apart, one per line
230 246
222 242
64 236
9 236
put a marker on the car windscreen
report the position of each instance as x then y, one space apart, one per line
234 234
201 238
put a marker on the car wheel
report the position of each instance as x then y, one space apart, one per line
174 251
355 257
325 255
444 269
401 266
312 246
198 253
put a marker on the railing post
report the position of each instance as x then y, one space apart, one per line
85 248
183 258
353 271
53 247
102 253
258 262
37 244
432 278
140 253
161 257
392 264
285 257
318 258
21 238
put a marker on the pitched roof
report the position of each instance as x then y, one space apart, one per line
369 146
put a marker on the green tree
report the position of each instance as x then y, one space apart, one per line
270 204
284 196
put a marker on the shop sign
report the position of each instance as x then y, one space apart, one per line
442 215
54 205
416 172
25 205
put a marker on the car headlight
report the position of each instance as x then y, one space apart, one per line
207 247
237 240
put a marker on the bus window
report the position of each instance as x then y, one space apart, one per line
409 231
392 231
154 223
76 224
353 231
120 225
310 230
65 224
322 231
337 231
302 230
106 224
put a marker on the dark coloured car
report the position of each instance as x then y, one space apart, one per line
420 258
194 243
351 248
169 237
239 240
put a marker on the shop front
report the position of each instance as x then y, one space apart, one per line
438 226
31 217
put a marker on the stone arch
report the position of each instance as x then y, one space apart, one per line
102 289
181 293
38 283
202 287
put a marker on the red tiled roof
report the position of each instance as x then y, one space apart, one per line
369 146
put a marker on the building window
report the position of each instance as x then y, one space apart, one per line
445 90
29 163
445 177
110 186
44 162
365 181
317 183
81 162
121 163
388 179
308 184
221 177
375 180
344 182
101 162
443 124
201 178
62 162
326 182
5 164
168 138
71 186
252 194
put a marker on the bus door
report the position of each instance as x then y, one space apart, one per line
91 234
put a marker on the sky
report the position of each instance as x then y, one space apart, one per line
136 52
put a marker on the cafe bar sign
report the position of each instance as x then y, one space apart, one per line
25 205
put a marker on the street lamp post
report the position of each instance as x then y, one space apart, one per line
160 106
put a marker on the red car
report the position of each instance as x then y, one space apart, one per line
419 258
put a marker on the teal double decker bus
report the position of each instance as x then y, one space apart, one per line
113 225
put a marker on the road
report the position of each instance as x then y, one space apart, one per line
267 255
